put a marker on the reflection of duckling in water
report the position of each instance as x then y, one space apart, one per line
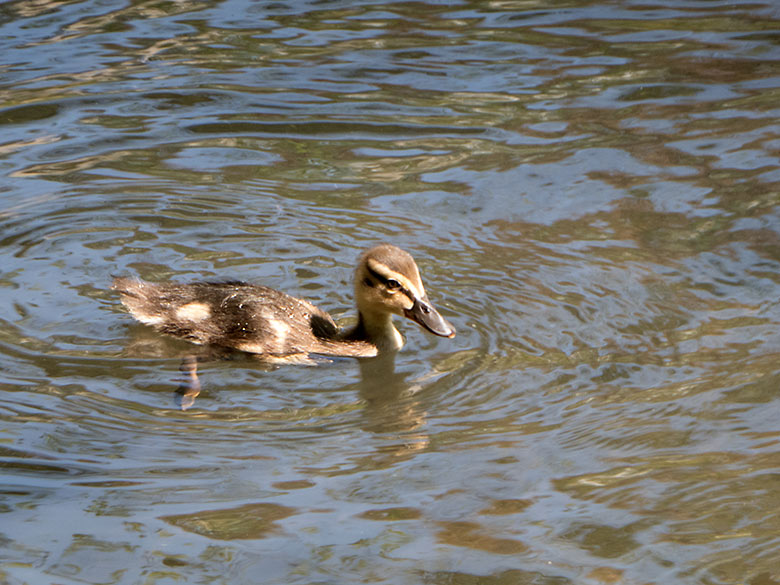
280 328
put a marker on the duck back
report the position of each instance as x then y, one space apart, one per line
252 318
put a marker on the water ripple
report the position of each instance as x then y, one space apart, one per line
591 196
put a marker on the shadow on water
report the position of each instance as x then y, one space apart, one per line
387 394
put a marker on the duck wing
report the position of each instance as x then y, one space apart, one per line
252 318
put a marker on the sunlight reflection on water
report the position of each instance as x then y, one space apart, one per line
592 198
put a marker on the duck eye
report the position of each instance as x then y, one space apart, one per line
393 284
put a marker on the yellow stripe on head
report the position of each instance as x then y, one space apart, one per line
412 286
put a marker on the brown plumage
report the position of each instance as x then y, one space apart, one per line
275 325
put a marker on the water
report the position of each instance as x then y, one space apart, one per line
591 191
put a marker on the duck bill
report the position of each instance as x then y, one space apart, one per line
423 313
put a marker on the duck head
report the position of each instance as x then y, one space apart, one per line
387 282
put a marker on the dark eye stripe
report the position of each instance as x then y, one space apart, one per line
386 281
376 275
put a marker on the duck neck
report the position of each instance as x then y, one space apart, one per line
377 329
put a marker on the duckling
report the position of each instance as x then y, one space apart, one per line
278 327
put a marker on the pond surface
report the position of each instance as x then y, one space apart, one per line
591 190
